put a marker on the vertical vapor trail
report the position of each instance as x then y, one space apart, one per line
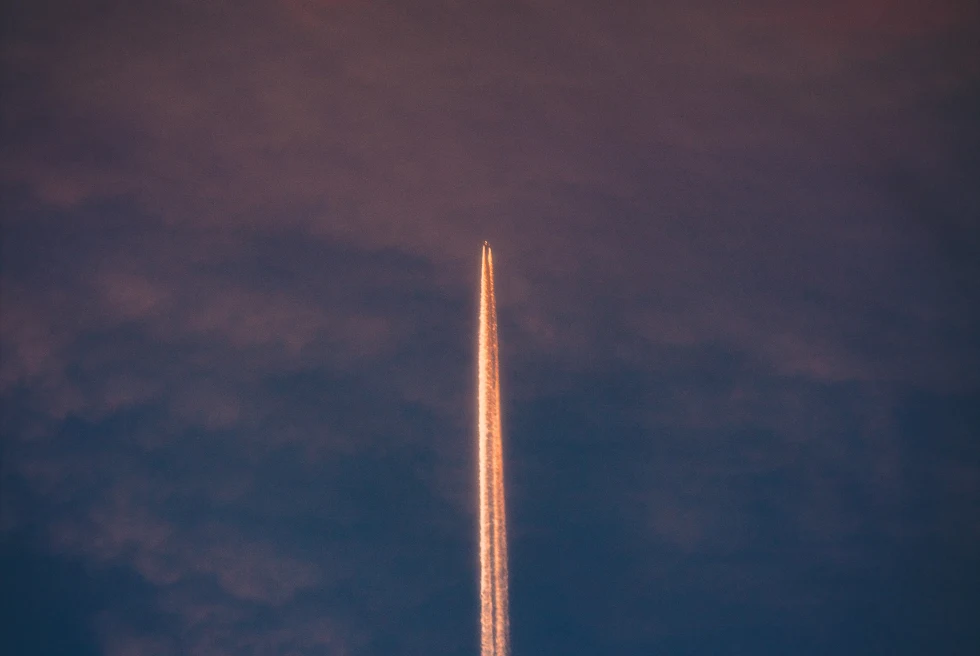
494 618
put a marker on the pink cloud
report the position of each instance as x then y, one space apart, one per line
120 531
855 20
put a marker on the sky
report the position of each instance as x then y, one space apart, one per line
738 280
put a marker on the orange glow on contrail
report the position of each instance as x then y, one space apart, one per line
494 617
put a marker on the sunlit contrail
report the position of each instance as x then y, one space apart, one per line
494 619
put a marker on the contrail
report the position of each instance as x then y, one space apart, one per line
494 617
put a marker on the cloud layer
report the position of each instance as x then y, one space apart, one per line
737 280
